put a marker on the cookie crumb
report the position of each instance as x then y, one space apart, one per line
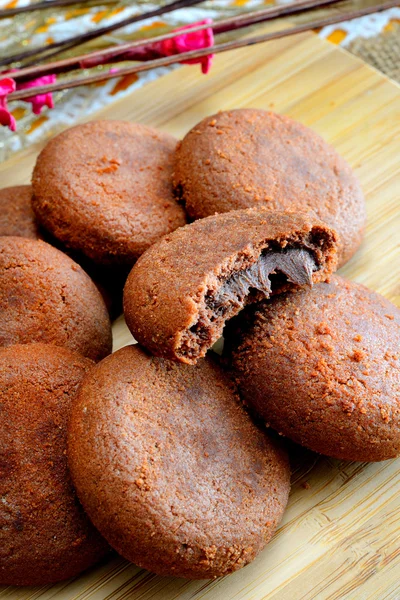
358 355
322 328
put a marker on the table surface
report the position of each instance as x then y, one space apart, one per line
340 536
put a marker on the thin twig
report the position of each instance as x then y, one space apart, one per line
222 26
76 40
46 5
232 45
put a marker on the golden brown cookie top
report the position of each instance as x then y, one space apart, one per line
170 467
105 188
248 157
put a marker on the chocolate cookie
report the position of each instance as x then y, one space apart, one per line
105 188
322 366
183 289
18 219
44 534
109 280
16 214
171 469
250 157
46 297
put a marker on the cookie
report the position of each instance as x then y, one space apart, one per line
45 535
109 280
105 188
46 297
18 219
183 289
249 157
322 366
16 214
170 467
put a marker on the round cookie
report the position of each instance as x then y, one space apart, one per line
249 157
184 288
16 214
170 467
105 188
109 280
45 535
322 367
18 219
46 297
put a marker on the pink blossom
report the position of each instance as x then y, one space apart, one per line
39 100
196 40
7 85
190 41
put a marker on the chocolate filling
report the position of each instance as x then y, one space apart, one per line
273 270
296 264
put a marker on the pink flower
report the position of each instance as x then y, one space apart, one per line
39 100
7 85
190 41
181 43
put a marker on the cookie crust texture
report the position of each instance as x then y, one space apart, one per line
249 157
16 215
45 536
331 355
171 469
46 297
105 188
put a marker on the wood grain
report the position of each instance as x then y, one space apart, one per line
340 537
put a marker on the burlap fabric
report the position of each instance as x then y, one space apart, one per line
381 51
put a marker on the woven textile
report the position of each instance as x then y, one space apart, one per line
381 51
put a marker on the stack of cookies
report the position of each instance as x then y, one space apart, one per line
162 450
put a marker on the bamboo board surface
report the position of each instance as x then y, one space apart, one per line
340 536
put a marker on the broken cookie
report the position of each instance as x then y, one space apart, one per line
184 288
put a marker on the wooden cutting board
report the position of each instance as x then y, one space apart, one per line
340 536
